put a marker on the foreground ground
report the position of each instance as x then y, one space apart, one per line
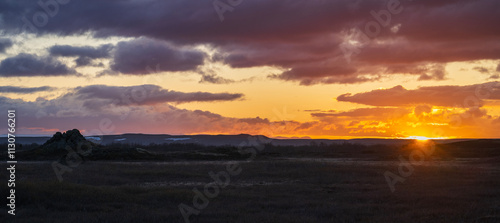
269 190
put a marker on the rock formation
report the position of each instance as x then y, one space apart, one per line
71 138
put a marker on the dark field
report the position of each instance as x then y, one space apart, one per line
342 183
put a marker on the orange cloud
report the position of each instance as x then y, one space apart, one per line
449 96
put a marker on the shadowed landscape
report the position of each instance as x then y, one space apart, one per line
236 111
320 182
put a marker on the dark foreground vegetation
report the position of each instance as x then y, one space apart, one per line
457 182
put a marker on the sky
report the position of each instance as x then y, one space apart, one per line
281 68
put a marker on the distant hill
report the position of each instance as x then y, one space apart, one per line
219 140
71 142
64 146
59 145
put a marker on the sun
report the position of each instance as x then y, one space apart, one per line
425 138
419 138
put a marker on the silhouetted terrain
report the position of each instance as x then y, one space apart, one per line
218 140
57 146
456 181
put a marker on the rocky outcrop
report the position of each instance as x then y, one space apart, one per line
62 142
71 145
71 138
59 146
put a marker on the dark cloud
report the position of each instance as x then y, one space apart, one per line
256 120
315 73
213 79
67 113
83 61
136 56
183 21
61 113
84 54
363 112
259 20
421 109
95 96
481 70
450 96
5 44
279 33
24 90
32 65
404 51
127 108
102 51
433 73
425 71
306 125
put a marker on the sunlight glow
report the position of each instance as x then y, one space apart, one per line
423 138
420 138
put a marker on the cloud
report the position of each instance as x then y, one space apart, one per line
197 21
421 109
24 90
401 50
315 73
306 126
425 71
129 108
83 61
135 56
31 65
5 44
213 79
363 112
449 96
437 72
97 96
84 54
481 70
102 51
66 113
279 33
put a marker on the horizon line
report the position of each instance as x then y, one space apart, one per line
276 137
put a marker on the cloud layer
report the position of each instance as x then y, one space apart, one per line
29 65
5 44
307 39
142 95
449 96
136 56
84 54
100 109
24 90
